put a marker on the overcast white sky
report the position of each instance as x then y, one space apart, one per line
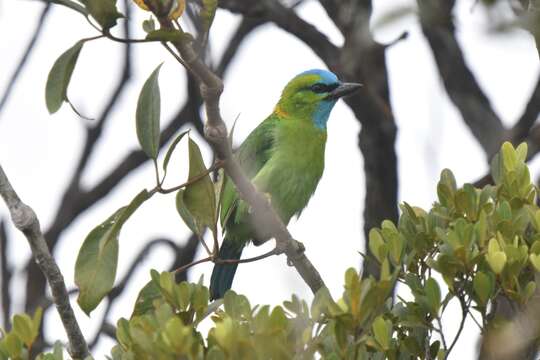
38 151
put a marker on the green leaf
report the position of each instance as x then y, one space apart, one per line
13 345
521 152
22 326
496 260
122 332
184 212
59 77
448 179
535 261
483 287
95 269
58 351
208 12
529 290
199 197
36 321
148 114
381 331
104 11
377 245
149 25
72 5
509 156
171 149
433 293
145 299
167 35
497 169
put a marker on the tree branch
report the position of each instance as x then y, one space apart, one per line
26 55
528 118
25 219
6 274
459 81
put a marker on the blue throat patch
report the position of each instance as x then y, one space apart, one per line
321 115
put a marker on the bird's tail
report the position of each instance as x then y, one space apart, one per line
223 274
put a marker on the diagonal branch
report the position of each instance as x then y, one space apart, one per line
528 118
265 217
459 81
286 19
6 273
26 55
25 219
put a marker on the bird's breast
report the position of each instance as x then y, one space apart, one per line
297 166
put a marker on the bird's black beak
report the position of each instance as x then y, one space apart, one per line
343 90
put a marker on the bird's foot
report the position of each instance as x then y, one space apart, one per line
296 246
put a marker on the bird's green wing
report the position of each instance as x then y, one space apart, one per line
252 155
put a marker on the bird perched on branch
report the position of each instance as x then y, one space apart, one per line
284 157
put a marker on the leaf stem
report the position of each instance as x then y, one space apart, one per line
217 165
227 261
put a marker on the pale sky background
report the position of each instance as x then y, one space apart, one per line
38 151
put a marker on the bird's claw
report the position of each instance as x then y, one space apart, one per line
300 249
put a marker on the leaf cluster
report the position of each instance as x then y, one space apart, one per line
17 343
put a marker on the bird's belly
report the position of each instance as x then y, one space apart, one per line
292 186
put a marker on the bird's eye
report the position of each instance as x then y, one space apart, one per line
319 88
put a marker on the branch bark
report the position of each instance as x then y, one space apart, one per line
6 274
458 80
265 217
25 219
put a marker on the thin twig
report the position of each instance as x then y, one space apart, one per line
441 333
227 261
193 263
217 165
464 308
25 219
25 56
248 260
475 321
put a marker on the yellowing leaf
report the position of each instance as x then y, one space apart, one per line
198 198
535 261
177 8
496 260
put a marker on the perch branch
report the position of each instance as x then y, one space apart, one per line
25 219
6 274
264 216
459 81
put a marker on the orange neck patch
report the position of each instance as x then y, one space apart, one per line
280 112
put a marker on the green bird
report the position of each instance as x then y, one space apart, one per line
284 158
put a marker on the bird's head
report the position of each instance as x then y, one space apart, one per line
311 95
